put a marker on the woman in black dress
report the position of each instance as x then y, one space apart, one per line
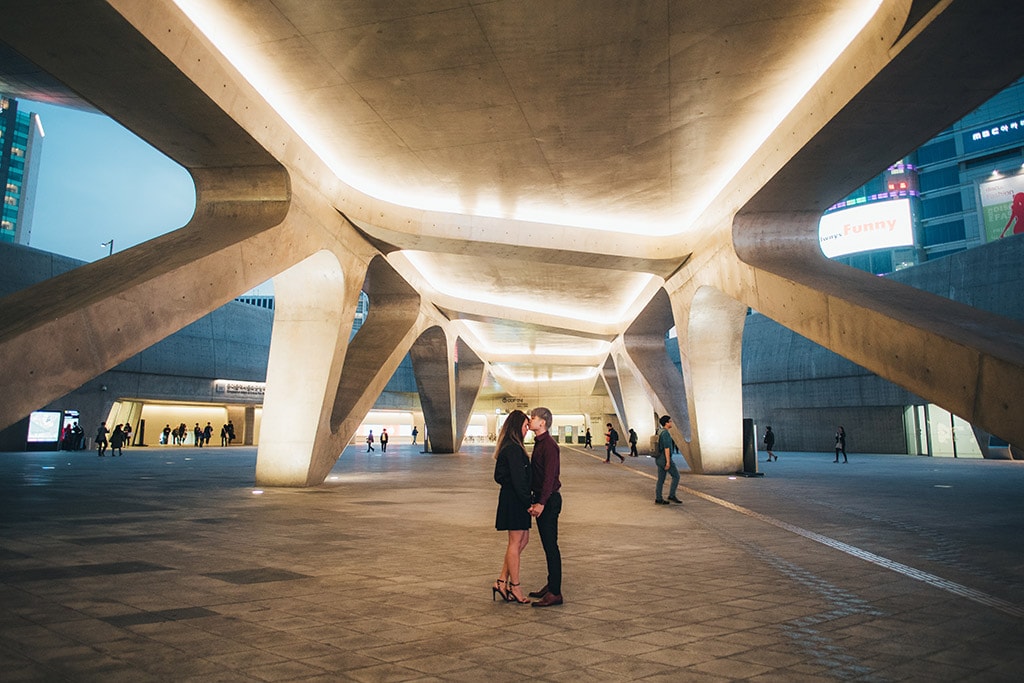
512 472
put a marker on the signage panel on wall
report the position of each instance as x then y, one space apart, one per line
998 214
876 225
44 426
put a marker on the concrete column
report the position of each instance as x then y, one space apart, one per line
469 377
321 384
314 306
638 412
711 343
249 426
432 364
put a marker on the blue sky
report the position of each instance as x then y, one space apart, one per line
99 181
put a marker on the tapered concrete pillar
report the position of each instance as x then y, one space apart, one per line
469 377
638 411
644 343
321 384
315 304
432 363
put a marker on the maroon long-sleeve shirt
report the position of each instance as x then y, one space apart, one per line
545 466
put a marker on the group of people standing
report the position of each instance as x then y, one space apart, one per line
530 489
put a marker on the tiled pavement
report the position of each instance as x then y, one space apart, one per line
166 565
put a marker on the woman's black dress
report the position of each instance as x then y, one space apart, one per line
512 471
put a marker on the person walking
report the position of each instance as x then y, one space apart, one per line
611 440
512 473
415 433
547 504
369 441
117 438
588 441
197 436
633 453
127 435
769 443
663 460
384 441
101 439
840 443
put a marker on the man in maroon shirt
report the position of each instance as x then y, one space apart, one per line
547 504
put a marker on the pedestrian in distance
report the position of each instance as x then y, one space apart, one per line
663 461
769 443
127 435
117 441
611 440
588 441
101 439
415 433
384 441
512 473
633 453
369 441
840 443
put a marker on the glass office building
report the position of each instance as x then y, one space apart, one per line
21 137
960 189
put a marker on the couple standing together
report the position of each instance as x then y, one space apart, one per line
529 489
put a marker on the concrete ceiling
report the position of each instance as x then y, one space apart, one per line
587 132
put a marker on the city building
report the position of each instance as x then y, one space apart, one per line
954 192
21 141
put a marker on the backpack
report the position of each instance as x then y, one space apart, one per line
614 436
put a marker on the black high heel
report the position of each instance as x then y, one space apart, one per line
511 597
497 589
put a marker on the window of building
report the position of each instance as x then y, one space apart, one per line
941 233
939 178
940 150
943 205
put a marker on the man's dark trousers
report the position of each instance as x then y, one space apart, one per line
547 525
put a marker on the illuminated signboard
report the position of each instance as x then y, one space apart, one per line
1008 132
239 388
43 426
997 207
877 225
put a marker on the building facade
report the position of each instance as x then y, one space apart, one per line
21 138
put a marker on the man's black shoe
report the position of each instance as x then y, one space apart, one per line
661 502
539 594
674 499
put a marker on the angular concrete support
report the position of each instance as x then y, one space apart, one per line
968 361
638 411
644 343
57 335
713 377
469 378
321 384
432 363
610 377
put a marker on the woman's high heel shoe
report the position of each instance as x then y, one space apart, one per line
512 597
496 589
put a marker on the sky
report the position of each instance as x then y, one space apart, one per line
98 181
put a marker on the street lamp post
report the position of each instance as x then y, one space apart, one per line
109 244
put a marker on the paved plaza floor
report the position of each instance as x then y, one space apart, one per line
167 565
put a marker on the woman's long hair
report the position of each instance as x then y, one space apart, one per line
512 431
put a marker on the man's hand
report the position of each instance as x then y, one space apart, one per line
536 510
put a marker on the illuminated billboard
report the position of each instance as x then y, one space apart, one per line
876 225
44 426
1000 217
